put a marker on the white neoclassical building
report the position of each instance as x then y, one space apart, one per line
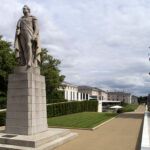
71 92
79 93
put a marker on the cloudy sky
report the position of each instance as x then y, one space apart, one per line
102 43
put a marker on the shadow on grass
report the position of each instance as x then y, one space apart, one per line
131 115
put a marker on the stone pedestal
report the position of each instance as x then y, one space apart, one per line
26 102
26 118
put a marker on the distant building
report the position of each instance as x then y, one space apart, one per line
122 96
134 99
103 95
93 92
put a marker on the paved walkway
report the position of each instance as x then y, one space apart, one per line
121 133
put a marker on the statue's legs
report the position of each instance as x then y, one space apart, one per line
29 54
27 48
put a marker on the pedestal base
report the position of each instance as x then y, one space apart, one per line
47 140
26 102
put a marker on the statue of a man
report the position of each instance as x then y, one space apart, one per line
27 40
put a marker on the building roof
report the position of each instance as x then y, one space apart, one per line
85 87
70 84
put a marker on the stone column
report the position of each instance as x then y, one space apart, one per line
26 102
100 106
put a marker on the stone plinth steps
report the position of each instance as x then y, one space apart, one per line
46 140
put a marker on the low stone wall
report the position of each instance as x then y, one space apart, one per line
145 143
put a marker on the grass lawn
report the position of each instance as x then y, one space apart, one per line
80 120
130 107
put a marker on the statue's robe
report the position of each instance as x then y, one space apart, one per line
26 28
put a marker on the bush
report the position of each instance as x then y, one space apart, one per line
124 104
120 110
3 101
60 109
128 108
2 118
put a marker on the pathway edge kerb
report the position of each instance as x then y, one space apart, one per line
105 122
112 119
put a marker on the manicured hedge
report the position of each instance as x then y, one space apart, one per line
2 118
54 110
3 101
56 100
63 109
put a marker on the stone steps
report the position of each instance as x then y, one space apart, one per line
43 141
58 142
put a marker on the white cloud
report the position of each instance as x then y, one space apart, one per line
100 43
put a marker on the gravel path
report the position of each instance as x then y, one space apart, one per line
121 133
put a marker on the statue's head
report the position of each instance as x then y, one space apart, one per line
26 9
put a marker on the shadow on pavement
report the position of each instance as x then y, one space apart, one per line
138 143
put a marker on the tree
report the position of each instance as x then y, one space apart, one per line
49 68
7 64
142 99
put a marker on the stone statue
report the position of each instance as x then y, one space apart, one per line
27 40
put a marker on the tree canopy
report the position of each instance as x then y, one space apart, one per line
7 64
49 68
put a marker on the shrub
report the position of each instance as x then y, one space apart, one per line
3 101
124 104
71 107
2 118
120 110
128 108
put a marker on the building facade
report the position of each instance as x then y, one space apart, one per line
70 92
79 93
122 96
